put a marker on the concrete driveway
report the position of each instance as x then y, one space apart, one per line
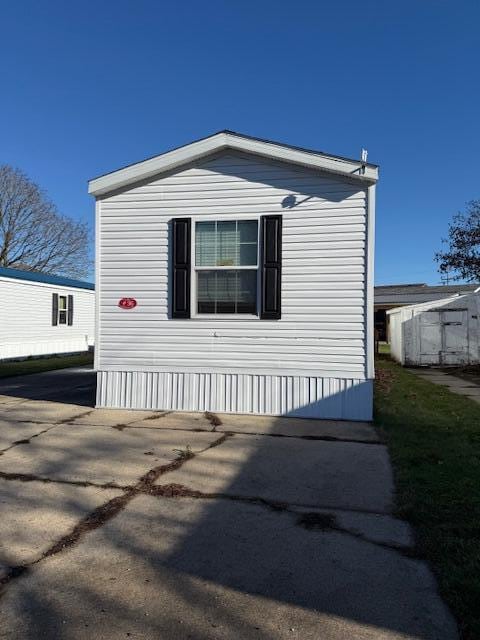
129 524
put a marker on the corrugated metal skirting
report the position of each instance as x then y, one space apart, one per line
308 397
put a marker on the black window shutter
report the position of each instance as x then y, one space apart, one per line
181 235
70 310
54 309
271 252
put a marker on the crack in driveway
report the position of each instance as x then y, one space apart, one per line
105 512
310 520
35 435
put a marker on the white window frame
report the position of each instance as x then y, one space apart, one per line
193 270
59 310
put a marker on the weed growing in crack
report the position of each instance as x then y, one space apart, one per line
213 419
156 415
184 454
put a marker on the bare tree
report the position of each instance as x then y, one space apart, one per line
34 236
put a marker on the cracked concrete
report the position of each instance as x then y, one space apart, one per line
297 427
12 431
175 420
196 569
41 411
112 417
302 472
99 454
35 514
242 558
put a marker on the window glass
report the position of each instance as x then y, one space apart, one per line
226 244
206 291
205 244
247 231
248 255
62 311
227 291
227 248
246 291
225 252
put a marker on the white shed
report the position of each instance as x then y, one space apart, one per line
42 314
442 332
236 275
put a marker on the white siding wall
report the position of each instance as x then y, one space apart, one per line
322 331
26 320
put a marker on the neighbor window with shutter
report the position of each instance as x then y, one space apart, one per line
62 309
227 267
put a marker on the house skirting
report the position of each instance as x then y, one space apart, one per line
47 347
281 395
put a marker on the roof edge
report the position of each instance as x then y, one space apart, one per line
433 303
227 139
44 278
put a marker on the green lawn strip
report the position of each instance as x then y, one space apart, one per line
433 437
38 365
384 348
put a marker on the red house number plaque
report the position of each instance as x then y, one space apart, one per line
127 303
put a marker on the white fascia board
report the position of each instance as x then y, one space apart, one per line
195 150
430 304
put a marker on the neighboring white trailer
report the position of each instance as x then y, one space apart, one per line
442 332
43 315
236 275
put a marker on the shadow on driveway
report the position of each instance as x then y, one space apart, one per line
70 386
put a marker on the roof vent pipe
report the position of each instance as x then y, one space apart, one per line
364 156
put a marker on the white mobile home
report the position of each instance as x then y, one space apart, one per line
236 275
442 332
43 315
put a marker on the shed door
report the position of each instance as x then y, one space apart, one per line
455 337
430 328
444 337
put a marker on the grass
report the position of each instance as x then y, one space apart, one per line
433 437
384 348
38 365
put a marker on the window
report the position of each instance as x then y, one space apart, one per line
216 267
62 309
226 266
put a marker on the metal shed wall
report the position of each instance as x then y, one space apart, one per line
406 324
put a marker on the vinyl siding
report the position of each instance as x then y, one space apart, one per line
322 329
26 320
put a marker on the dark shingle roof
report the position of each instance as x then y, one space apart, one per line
35 276
412 293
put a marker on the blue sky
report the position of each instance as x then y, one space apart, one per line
87 87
